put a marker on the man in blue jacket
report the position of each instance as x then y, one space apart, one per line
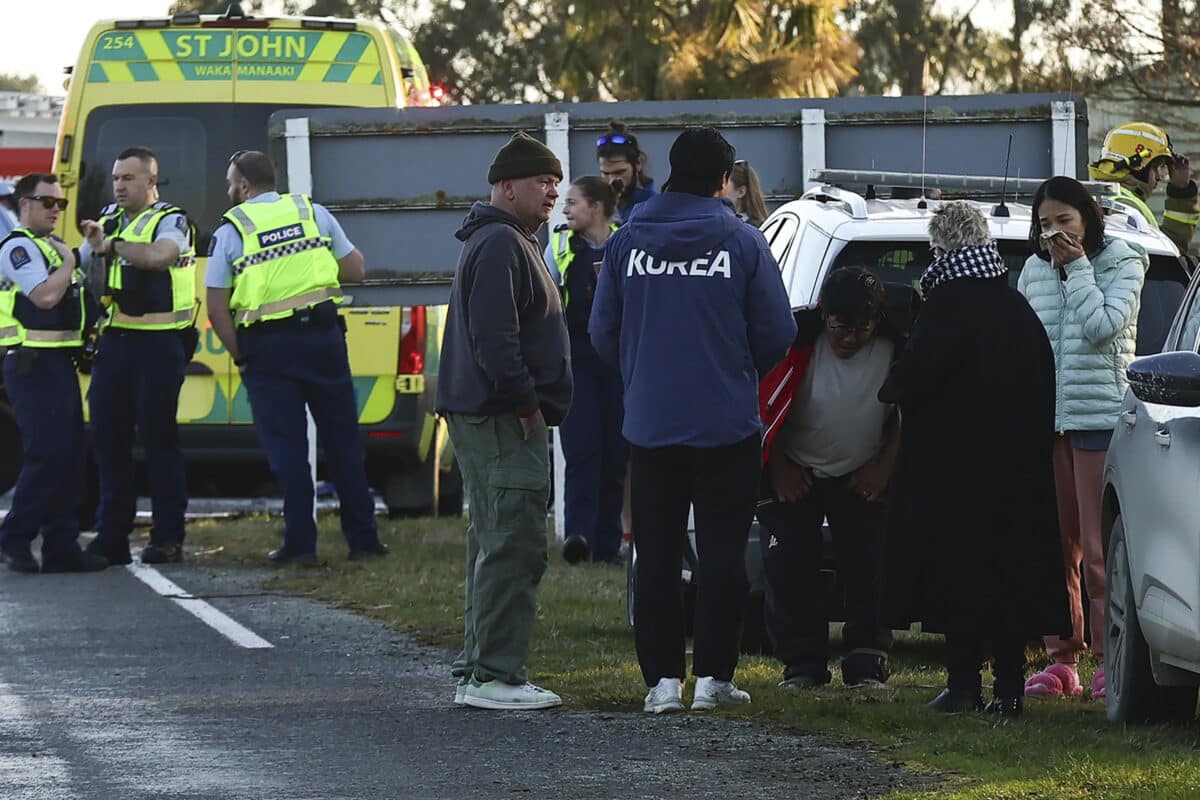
690 304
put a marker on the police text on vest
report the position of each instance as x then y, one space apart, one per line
280 235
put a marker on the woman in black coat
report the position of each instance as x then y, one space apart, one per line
973 546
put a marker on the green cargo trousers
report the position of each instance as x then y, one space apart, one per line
507 481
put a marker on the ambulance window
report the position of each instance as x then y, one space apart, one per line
175 140
193 142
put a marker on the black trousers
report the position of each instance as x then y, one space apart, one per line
721 485
797 615
966 654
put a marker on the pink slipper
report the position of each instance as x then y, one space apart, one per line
1098 692
1055 680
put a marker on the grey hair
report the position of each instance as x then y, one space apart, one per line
958 224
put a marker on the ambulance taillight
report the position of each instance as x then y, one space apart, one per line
412 342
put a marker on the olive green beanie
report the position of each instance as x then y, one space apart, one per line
523 157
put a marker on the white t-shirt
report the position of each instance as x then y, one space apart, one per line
836 422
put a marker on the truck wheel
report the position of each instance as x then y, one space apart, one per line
10 450
1132 694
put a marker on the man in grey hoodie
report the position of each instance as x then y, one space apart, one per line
505 375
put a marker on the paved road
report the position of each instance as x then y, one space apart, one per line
109 690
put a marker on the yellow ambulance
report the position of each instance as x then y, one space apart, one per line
196 89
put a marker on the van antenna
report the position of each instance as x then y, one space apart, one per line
924 121
1002 210
1070 130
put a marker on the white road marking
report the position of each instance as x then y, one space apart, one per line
229 628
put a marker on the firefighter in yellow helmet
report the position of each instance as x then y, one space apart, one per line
1136 154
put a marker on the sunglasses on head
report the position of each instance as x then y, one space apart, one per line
613 138
49 202
741 162
233 159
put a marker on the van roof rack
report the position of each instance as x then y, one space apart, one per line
980 184
853 202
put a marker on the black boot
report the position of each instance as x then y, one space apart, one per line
956 701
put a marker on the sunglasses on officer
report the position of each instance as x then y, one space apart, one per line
49 202
233 159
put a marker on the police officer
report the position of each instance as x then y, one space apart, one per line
143 351
41 320
276 262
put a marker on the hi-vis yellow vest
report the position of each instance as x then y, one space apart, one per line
286 264
61 326
560 246
10 329
170 294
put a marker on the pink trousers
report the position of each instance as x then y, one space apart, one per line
1078 476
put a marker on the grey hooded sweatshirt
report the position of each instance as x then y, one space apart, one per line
505 349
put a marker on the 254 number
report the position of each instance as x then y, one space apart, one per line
118 43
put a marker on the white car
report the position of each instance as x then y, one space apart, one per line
831 227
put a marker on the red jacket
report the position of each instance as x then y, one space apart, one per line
777 388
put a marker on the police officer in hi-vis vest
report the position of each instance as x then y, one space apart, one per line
41 325
143 351
274 270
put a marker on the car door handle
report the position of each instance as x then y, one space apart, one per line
1129 417
1163 438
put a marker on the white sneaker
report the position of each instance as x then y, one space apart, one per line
665 697
501 696
711 693
460 691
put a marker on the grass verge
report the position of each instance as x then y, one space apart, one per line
583 649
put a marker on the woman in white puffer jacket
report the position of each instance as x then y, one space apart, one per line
1086 289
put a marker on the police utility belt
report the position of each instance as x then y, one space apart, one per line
321 316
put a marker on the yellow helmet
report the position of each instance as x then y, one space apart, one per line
1131 148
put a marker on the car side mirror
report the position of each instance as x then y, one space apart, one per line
1170 379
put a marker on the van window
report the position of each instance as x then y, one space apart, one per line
905 262
193 142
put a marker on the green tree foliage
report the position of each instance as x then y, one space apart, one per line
1144 52
642 49
12 82
909 47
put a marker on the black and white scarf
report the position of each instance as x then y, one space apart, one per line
973 261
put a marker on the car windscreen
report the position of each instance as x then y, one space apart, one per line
193 142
